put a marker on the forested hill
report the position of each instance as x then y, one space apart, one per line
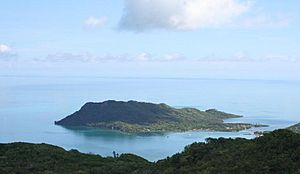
277 152
133 116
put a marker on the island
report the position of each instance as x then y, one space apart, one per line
143 117
276 152
295 128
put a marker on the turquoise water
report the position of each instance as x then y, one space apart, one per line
30 105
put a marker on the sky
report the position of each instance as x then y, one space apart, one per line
240 39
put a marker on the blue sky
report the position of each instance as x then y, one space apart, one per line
151 38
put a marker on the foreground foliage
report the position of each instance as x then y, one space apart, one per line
26 158
275 152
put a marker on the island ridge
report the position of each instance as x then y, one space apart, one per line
142 117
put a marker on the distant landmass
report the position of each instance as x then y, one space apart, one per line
274 153
142 117
295 128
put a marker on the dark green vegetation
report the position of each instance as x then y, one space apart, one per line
277 152
28 158
295 128
140 117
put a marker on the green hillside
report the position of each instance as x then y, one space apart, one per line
137 117
274 153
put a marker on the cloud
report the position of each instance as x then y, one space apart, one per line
172 57
94 21
280 58
265 20
146 57
6 52
140 57
140 15
243 57
70 57
4 49
235 58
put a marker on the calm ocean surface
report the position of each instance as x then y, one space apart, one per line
30 105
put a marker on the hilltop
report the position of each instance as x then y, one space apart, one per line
137 117
295 128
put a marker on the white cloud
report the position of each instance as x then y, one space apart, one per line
235 58
173 57
4 49
140 57
280 58
70 57
264 20
142 15
146 57
243 57
6 52
94 21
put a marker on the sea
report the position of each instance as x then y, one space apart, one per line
29 105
